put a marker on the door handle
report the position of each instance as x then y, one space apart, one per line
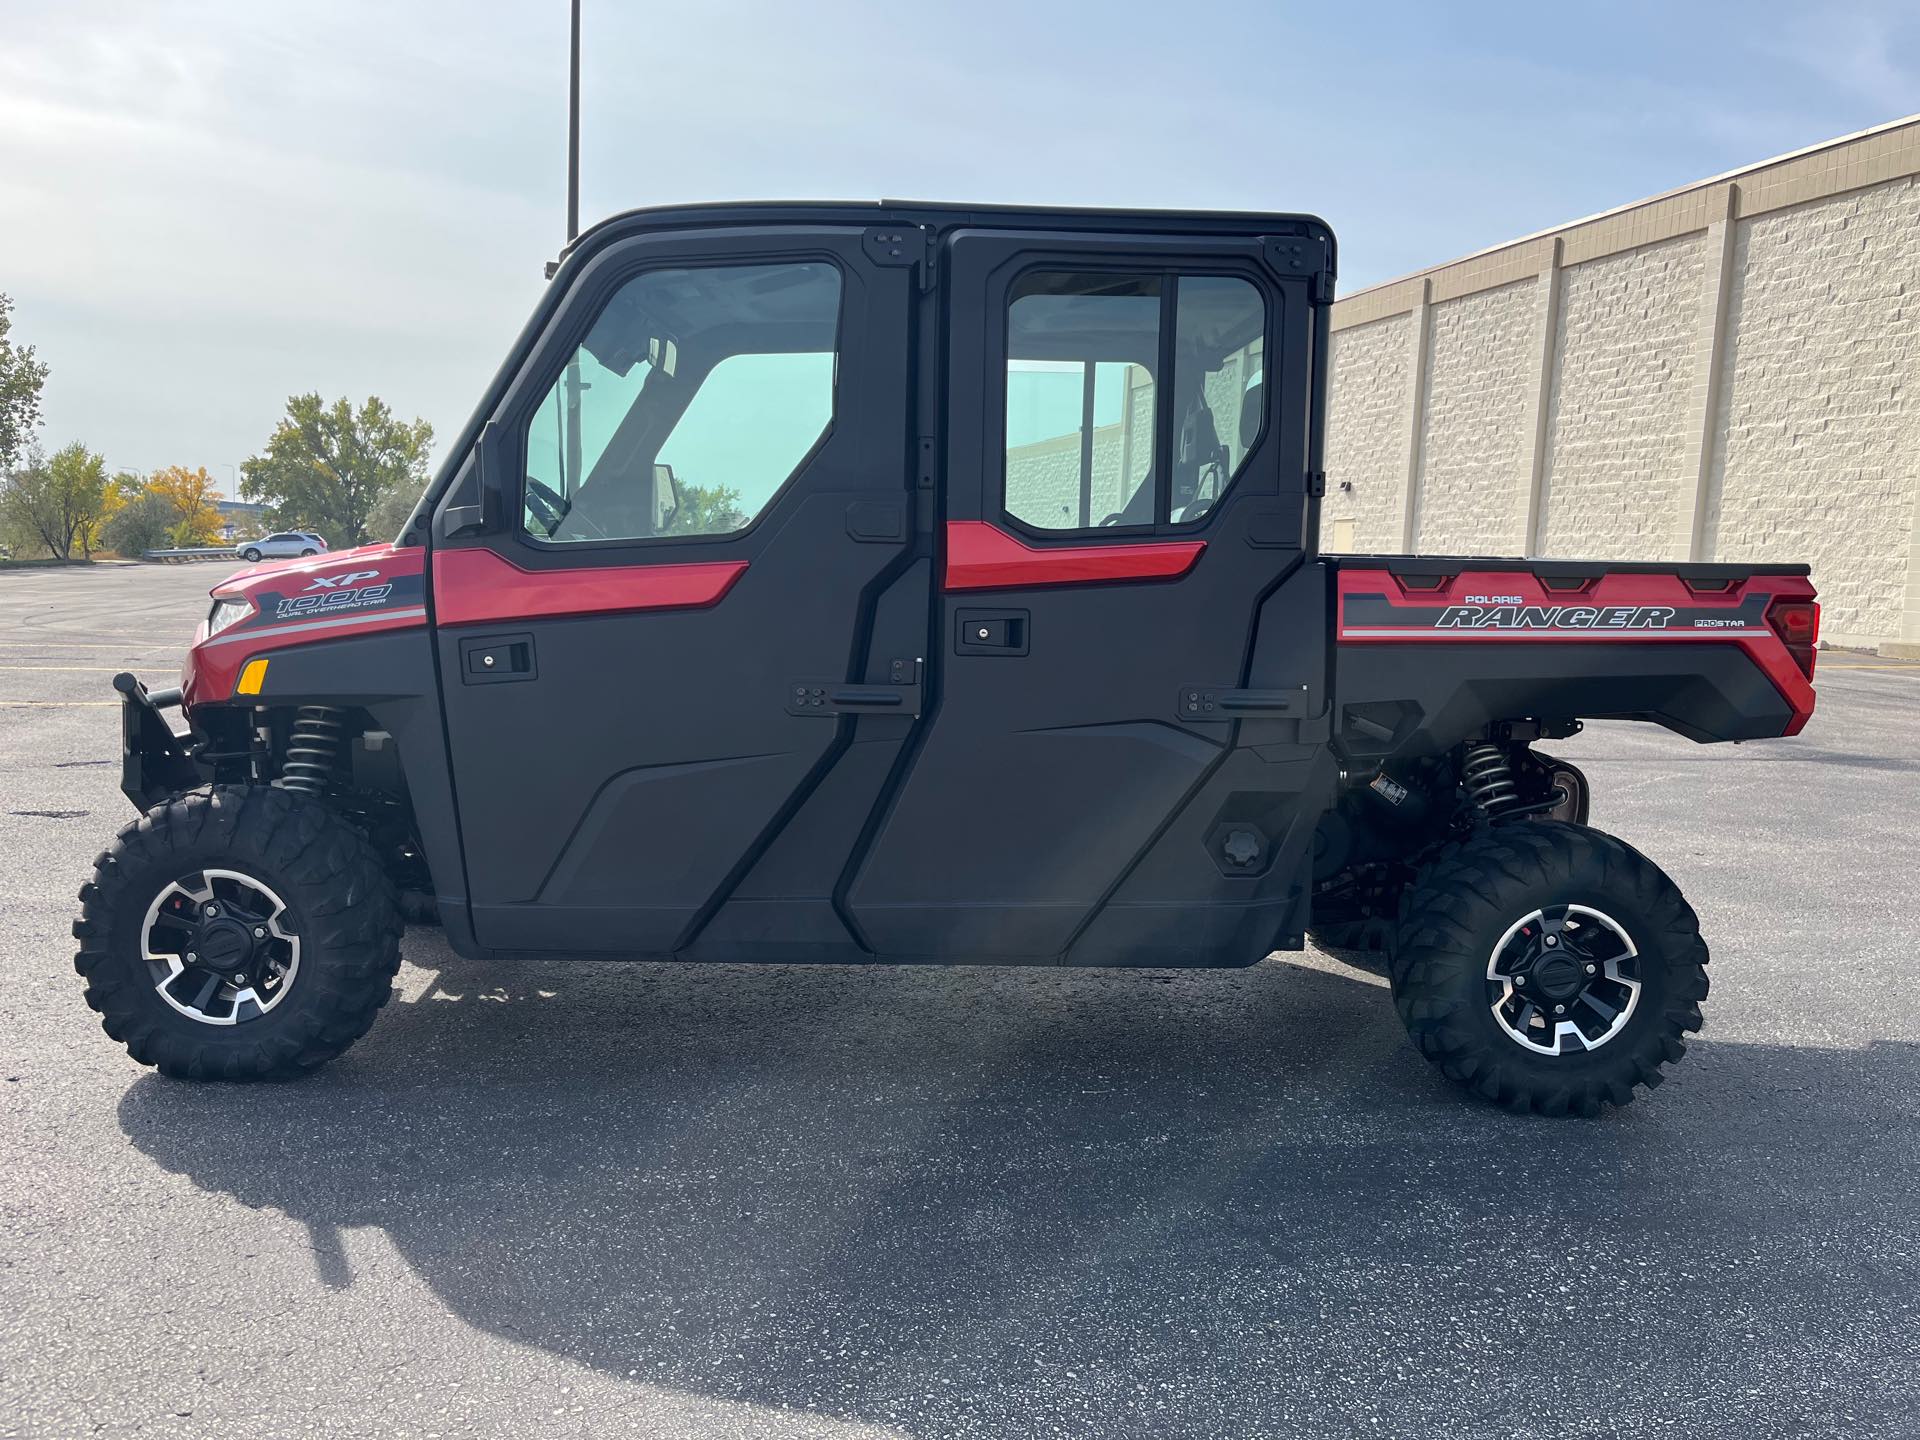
490 659
991 632
837 697
1212 702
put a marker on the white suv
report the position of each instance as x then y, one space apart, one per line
280 544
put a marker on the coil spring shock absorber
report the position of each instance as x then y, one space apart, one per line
1487 775
313 743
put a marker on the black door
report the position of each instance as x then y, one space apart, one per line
691 593
1126 484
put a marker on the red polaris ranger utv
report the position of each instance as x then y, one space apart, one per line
904 583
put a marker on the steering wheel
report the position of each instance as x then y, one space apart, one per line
550 508
545 503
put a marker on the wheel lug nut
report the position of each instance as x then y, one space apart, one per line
213 909
1519 979
260 933
1590 969
1559 1009
1553 939
191 957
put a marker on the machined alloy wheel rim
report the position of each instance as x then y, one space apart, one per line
220 947
1564 979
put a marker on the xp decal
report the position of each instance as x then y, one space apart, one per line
353 591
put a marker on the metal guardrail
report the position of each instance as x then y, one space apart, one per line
202 552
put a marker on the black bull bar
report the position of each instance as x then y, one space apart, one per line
154 762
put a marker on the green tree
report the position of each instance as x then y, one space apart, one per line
140 523
390 516
328 467
21 378
707 511
58 502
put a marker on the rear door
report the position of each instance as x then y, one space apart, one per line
1126 481
657 628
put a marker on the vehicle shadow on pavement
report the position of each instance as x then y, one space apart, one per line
1014 1201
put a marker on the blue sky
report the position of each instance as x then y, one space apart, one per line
207 205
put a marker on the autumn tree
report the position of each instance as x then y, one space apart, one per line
58 502
190 497
327 468
21 379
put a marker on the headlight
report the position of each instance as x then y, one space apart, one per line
225 614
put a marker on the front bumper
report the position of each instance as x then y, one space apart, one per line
154 762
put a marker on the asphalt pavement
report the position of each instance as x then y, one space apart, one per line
609 1200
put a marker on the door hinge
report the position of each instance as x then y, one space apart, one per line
902 247
1308 256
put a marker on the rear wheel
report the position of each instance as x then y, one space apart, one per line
1363 944
1548 967
309 551
243 934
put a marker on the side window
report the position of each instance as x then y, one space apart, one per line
690 404
1081 354
1219 386
1085 407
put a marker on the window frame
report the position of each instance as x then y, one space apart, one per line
536 385
1169 273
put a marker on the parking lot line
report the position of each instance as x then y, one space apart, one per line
70 669
83 645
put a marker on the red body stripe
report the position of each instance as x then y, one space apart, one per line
473 587
1413 609
984 557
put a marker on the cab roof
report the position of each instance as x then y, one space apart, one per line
942 215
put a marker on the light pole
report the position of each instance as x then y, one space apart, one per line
571 477
573 129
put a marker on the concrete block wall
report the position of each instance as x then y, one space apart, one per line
1727 372
1472 430
1617 417
1817 437
1367 428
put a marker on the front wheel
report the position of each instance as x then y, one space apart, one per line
242 934
250 555
1548 967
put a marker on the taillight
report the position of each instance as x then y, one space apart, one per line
1797 623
